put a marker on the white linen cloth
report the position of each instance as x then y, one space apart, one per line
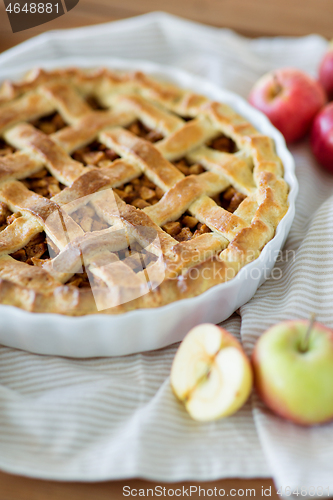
116 418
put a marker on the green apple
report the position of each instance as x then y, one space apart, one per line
293 369
211 374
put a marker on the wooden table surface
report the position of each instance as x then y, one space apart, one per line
249 17
19 488
253 18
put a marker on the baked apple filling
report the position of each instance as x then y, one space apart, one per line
43 183
49 124
140 192
95 154
94 103
230 199
141 130
87 218
136 257
224 144
36 249
185 228
5 216
5 148
188 169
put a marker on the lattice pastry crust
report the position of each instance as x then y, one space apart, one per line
150 138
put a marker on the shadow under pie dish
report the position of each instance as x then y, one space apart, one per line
121 192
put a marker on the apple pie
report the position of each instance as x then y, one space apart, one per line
121 192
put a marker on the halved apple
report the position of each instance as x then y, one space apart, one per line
211 374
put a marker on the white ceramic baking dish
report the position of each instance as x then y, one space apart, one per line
147 329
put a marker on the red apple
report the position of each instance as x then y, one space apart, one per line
322 137
290 99
326 71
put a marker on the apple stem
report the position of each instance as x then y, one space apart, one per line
278 86
305 344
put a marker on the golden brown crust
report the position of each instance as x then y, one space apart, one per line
188 267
